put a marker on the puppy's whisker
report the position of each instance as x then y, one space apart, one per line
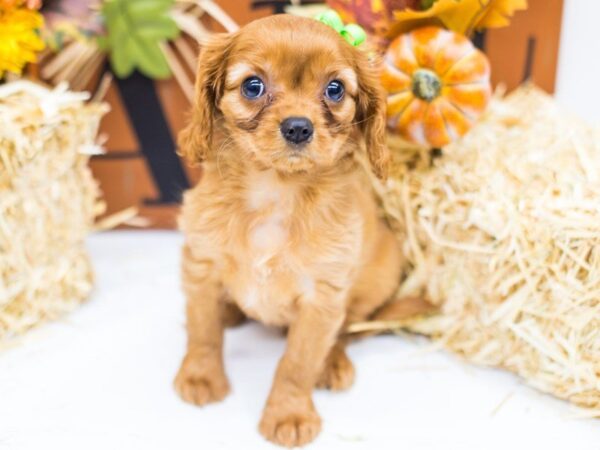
227 144
366 119
340 127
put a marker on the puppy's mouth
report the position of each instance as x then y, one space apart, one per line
293 158
295 154
298 150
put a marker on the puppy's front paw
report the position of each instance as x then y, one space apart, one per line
338 373
290 427
199 383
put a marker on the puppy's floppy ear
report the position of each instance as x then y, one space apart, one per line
195 140
370 114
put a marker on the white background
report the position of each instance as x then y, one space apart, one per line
578 81
101 379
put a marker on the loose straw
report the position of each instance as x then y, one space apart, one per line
48 201
503 234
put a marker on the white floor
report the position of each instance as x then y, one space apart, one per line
101 379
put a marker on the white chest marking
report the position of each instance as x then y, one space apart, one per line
266 192
269 234
307 287
251 298
264 189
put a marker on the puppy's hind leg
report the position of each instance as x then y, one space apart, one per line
338 371
373 287
379 279
374 293
201 378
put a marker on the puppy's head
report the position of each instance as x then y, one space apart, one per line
291 93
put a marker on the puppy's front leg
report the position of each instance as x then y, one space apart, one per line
201 378
289 417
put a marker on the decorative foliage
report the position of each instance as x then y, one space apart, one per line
461 16
389 18
438 84
135 32
71 19
376 16
81 36
19 36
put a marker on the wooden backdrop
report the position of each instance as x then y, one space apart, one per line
140 167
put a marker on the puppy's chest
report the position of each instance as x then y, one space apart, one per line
265 276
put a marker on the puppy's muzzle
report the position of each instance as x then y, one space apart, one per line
297 130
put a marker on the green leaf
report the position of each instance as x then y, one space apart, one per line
135 30
119 31
109 10
150 60
149 8
102 42
121 62
159 30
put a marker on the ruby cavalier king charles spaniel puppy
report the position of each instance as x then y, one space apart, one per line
283 227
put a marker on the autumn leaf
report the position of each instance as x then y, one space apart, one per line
498 15
374 15
461 16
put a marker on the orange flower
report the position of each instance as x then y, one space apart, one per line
33 4
12 4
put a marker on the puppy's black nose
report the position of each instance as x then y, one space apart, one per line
297 130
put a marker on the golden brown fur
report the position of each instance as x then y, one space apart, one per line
290 238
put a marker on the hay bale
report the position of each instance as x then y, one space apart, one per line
503 232
48 200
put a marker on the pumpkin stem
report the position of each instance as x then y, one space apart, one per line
426 85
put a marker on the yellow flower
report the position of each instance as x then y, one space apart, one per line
19 38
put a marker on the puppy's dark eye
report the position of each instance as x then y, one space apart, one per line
253 87
334 90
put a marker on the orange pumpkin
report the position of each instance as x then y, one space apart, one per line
438 84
